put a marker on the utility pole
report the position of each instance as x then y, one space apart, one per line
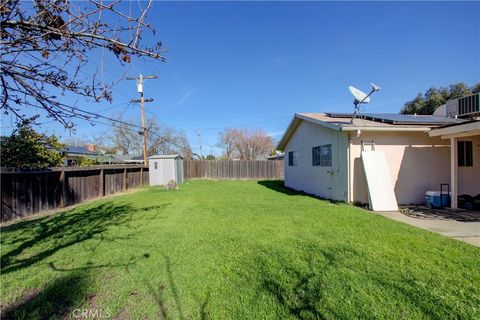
142 101
199 135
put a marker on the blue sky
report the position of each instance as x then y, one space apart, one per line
254 64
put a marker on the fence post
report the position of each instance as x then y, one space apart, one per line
101 185
63 186
124 186
141 176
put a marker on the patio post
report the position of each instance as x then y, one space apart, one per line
453 172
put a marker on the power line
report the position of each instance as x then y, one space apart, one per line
96 115
115 106
115 81
155 116
130 129
124 110
245 124
36 124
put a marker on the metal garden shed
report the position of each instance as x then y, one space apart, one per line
164 168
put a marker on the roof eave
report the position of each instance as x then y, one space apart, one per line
293 125
463 128
287 134
388 129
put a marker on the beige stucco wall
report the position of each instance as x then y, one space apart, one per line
469 177
417 163
328 182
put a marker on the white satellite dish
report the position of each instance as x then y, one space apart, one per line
360 96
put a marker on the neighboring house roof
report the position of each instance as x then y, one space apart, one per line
367 122
166 156
279 156
103 158
261 157
128 157
71 150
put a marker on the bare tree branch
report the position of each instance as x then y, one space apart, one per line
45 45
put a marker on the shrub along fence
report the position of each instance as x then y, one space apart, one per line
28 191
233 169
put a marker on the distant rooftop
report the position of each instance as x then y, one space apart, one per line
80 150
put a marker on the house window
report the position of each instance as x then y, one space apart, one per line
326 155
465 153
155 165
322 155
292 158
316 156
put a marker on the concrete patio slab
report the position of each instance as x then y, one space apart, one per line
464 231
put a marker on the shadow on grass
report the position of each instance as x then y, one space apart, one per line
157 292
56 301
279 186
300 287
40 238
337 282
204 311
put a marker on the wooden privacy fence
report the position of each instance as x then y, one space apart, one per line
233 169
28 191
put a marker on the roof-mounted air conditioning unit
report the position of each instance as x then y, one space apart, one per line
469 105
464 107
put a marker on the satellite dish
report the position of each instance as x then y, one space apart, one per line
360 96
375 87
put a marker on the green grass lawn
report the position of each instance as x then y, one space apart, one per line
233 250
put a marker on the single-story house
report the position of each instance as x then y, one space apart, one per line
127 158
278 156
74 152
90 151
323 154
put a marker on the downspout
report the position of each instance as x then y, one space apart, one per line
349 182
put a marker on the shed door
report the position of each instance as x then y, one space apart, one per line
159 172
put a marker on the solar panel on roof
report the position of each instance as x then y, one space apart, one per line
339 115
393 118
410 119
